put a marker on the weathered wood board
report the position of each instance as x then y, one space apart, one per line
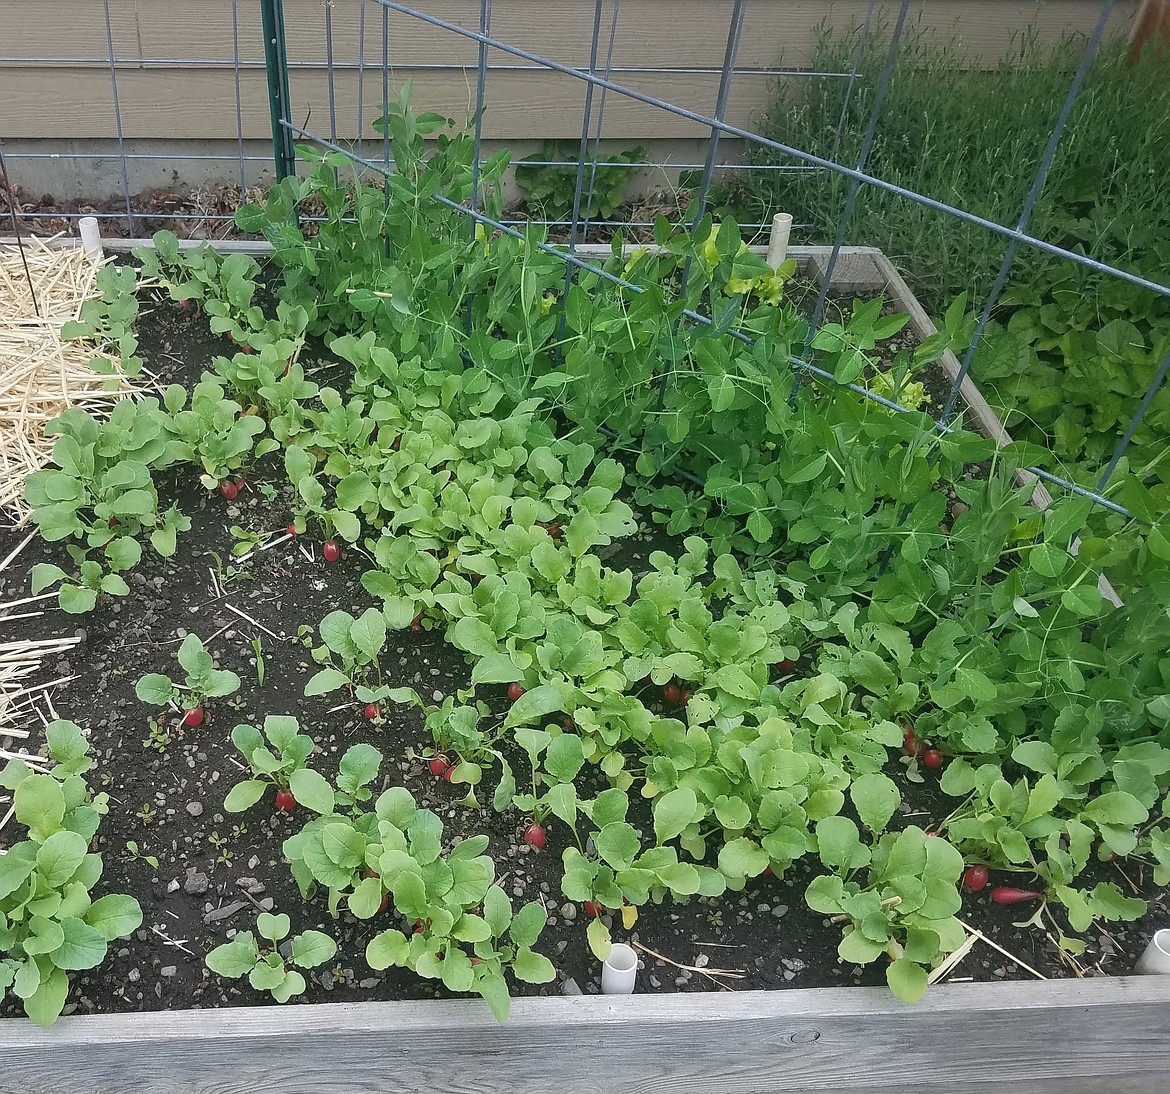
1056 1037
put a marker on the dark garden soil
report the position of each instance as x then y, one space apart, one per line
206 213
215 871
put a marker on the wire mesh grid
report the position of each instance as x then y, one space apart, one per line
374 61
247 163
600 83
129 208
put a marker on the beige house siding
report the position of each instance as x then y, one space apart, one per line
177 89
187 100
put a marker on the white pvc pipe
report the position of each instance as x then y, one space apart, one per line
91 236
619 970
778 239
1156 960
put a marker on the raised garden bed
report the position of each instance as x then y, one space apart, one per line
1074 1037
963 1037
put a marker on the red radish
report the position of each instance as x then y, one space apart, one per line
932 758
768 871
553 529
416 622
397 443
373 712
248 349
514 692
194 717
285 801
292 530
592 909
449 775
418 927
684 698
787 665
240 484
534 836
331 550
1005 894
568 723
439 766
909 740
228 489
185 304
975 879
672 694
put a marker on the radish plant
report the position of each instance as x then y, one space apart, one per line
202 681
276 755
50 926
267 965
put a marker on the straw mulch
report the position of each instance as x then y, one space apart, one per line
40 375
20 661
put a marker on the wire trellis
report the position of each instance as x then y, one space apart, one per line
130 208
602 81
1016 236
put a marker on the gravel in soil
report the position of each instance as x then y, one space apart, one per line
215 871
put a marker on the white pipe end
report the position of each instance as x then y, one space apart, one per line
778 239
1156 959
91 236
620 970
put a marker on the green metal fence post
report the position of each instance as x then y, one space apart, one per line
276 67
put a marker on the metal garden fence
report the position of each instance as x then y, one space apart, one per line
248 56
601 83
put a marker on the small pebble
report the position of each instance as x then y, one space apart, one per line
195 809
